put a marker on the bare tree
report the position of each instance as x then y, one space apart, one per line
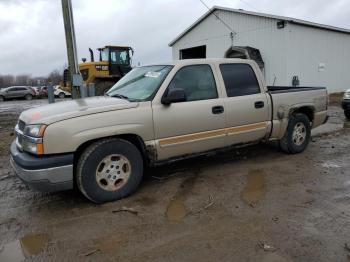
23 80
6 80
55 77
26 80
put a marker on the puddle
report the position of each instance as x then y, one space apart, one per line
176 210
29 245
255 187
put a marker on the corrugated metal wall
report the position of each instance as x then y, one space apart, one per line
319 57
294 50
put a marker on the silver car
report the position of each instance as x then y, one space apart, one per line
17 92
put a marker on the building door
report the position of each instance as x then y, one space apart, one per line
193 52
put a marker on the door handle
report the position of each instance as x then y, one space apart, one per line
259 104
218 110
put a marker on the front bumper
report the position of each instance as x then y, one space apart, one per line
345 104
46 174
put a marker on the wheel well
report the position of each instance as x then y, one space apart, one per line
132 138
306 110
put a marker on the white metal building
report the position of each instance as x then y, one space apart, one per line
318 55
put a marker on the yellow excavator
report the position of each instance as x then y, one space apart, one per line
114 62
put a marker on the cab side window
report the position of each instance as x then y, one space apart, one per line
197 81
239 79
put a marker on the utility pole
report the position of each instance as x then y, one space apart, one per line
75 76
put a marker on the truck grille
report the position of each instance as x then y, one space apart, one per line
19 133
21 125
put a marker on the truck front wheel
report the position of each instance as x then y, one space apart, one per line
297 135
109 170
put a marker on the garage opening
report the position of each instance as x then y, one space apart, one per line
193 52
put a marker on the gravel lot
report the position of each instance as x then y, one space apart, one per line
255 204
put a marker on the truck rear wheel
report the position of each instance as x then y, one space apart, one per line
109 170
347 113
297 135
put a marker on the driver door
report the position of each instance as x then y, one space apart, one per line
194 125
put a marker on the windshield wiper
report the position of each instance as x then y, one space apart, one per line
120 96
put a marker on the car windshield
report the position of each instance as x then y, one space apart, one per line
141 83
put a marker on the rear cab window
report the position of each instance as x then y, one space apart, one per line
197 81
239 80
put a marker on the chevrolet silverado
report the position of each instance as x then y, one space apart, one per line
156 114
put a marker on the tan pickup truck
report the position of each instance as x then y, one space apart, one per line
157 114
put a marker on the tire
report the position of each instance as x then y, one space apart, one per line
347 113
61 95
100 160
28 97
297 135
2 98
102 86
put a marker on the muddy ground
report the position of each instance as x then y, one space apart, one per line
255 204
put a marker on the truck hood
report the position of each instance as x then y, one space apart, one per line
59 111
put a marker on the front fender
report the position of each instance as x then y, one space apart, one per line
67 135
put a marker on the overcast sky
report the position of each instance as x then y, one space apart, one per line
32 39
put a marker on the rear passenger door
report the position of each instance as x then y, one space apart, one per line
246 105
21 91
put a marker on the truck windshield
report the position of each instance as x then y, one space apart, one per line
141 83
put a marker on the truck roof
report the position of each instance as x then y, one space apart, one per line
205 60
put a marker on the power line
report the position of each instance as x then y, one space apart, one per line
223 22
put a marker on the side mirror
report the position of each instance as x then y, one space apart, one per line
174 96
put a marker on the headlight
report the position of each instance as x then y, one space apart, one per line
32 139
346 95
32 146
35 130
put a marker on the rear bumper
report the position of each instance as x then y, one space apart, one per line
346 104
46 174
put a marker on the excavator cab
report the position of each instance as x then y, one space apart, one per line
118 58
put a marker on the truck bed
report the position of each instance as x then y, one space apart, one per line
286 98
